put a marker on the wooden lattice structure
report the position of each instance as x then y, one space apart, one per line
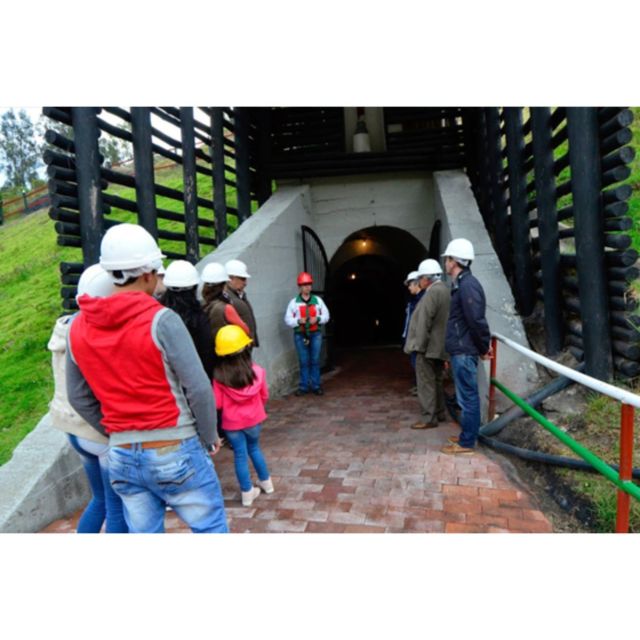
548 181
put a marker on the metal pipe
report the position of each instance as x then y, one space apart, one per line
626 466
602 467
493 366
596 385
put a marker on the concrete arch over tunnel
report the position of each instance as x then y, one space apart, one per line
365 285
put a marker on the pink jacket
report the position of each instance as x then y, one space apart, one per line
242 408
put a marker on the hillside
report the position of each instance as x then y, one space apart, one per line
30 304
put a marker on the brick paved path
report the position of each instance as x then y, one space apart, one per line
349 462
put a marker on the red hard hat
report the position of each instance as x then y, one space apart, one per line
304 278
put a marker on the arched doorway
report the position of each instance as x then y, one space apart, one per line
366 285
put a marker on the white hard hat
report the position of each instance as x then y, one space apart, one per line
128 246
214 273
181 273
95 282
429 267
460 248
236 268
412 275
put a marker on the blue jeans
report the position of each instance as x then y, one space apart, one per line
309 359
182 477
465 377
104 503
246 444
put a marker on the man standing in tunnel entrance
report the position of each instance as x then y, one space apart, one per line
468 338
305 313
426 339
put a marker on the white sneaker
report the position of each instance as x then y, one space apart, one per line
266 485
249 496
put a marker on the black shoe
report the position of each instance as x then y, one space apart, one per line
301 392
318 392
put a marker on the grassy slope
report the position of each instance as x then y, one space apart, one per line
30 304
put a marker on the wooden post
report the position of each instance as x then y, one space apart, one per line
219 186
243 178
143 163
584 154
498 204
86 135
547 227
523 269
262 117
626 466
190 186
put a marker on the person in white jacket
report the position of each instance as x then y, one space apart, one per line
91 445
305 314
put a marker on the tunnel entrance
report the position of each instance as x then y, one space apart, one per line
366 286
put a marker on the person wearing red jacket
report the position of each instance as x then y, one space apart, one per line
305 314
240 389
133 373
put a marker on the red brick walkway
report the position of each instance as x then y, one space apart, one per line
349 462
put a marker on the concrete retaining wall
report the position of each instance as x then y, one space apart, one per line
42 482
457 209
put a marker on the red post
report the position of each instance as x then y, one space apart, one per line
493 367
626 467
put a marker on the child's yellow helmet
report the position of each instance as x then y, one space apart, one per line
231 339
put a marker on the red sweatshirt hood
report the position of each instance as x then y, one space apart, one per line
116 310
240 395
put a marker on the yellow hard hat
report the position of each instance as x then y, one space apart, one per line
231 339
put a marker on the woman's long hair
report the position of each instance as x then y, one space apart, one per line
184 303
235 371
211 292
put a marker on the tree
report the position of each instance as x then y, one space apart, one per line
19 150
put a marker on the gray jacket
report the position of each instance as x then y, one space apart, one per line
429 323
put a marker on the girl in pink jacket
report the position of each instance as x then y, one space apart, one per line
240 389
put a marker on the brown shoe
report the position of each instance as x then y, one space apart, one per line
454 439
424 425
456 449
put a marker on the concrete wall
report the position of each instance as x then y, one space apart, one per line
42 482
457 208
270 244
341 206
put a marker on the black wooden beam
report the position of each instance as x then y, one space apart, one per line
548 227
143 163
217 161
519 217
190 187
86 134
241 121
584 150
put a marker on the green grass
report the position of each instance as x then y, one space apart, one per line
30 303
599 430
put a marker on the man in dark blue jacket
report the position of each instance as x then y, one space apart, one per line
468 338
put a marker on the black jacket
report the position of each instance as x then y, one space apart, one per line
467 329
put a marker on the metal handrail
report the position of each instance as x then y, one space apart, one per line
623 479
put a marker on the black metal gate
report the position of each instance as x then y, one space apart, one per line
314 259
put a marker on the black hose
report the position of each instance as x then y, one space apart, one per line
499 423
547 458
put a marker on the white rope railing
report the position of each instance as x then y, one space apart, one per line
626 397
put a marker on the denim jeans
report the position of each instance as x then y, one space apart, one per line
182 477
309 359
465 376
104 503
246 444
